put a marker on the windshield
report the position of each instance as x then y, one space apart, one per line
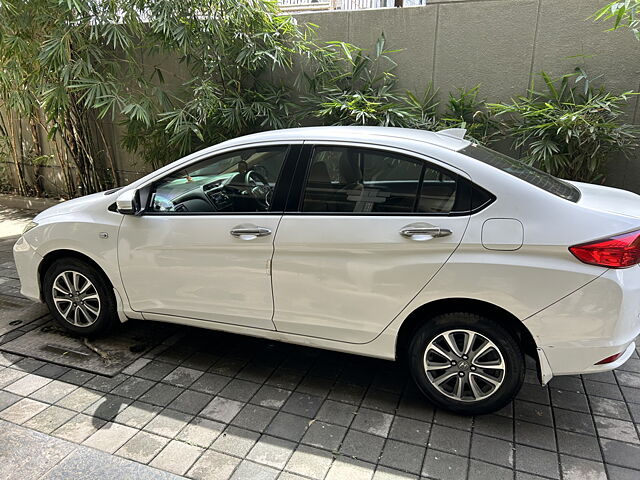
523 171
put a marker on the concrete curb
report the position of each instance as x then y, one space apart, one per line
27 203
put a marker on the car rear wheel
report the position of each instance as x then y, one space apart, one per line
466 363
79 297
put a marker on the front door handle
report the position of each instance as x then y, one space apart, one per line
249 232
423 231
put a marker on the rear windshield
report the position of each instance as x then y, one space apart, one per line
523 171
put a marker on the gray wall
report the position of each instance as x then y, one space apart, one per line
500 44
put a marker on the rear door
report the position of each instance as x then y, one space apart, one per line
363 234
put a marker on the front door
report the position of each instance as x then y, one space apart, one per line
372 227
202 249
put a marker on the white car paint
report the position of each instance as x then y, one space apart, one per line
349 283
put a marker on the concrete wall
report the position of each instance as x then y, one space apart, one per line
500 44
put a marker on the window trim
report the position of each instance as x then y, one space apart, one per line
280 193
300 179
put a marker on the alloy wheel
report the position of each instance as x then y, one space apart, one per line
76 298
464 365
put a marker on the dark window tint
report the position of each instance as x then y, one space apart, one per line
239 181
354 180
523 171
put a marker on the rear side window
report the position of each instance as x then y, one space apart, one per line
523 171
367 181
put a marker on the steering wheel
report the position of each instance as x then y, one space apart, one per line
259 188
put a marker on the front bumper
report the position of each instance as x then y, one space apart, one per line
27 263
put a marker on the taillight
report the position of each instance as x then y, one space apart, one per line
610 359
621 251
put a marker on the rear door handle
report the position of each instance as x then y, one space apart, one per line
424 231
249 232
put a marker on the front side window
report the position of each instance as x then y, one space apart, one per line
359 180
238 181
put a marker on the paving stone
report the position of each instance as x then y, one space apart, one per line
239 390
110 437
236 441
105 384
449 440
609 408
7 359
402 456
349 468
363 446
76 377
535 435
222 409
79 428
161 394
317 386
176 457
386 473
534 393
255 373
272 451
616 430
142 447
107 407
254 417
534 413
580 469
51 370
602 389
324 435
79 399
569 400
200 361
254 471
182 377
155 370
415 406
347 393
228 366
213 465
288 426
49 419
53 391
137 414
284 378
538 462
444 466
22 410
133 387
372 421
574 421
579 445
628 379
572 383
310 462
620 473
494 426
303 404
481 471
28 365
168 423
201 432
448 419
7 399
384 400
408 430
136 366
631 395
9 375
492 450
190 401
620 453
210 383
337 413
271 397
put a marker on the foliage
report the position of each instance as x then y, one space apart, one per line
465 110
570 129
625 13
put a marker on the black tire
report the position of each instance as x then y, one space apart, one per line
107 316
511 377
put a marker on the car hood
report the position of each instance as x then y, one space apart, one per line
608 199
71 206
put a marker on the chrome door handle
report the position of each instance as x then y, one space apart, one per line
249 233
424 230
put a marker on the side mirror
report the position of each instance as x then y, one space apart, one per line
128 203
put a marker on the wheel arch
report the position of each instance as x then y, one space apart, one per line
426 312
54 255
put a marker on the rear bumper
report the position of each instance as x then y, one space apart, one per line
599 320
27 262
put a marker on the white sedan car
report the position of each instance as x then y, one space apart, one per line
392 243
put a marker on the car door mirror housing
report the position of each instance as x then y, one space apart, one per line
128 203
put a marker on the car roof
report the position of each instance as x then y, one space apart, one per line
446 138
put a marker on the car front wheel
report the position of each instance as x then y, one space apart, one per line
466 363
79 297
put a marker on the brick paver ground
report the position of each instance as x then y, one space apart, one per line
209 405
